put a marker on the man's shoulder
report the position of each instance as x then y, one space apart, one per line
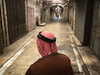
50 57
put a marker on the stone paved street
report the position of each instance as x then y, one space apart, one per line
30 53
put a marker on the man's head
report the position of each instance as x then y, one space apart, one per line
46 43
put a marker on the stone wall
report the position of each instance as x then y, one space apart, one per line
47 15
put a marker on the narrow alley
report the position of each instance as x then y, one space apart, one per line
75 24
30 53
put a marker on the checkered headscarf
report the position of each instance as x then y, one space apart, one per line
46 43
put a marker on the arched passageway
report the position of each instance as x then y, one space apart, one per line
56 12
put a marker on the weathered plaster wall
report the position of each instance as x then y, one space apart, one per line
65 14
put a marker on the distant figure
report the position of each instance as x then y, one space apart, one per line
52 62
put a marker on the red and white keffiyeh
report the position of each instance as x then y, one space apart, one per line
44 47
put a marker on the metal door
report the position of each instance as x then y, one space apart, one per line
16 19
80 19
95 35
1 38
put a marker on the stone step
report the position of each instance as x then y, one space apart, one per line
91 61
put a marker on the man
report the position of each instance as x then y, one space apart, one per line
52 62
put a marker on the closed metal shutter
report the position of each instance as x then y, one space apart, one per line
80 19
95 34
16 19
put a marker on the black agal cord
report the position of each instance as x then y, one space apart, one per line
40 36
